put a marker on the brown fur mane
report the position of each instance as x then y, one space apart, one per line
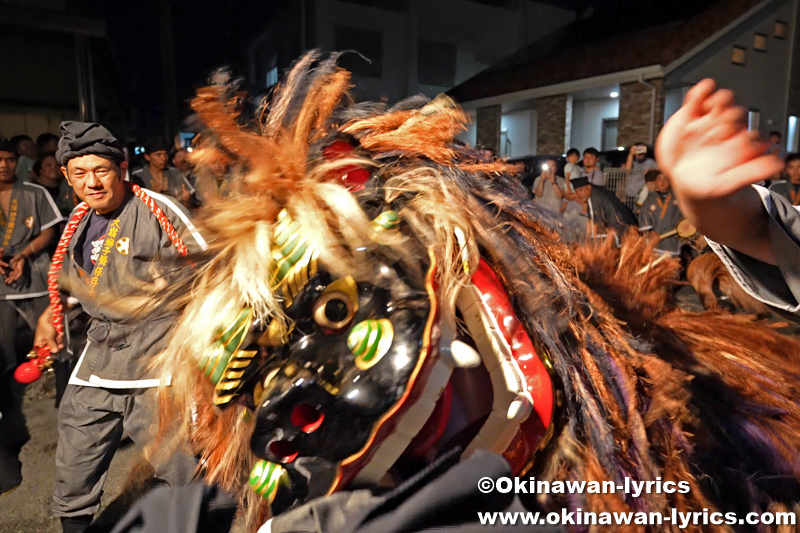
649 390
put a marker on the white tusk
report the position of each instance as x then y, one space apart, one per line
463 355
519 409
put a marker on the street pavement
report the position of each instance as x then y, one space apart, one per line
27 509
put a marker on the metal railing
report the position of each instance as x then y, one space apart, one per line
617 180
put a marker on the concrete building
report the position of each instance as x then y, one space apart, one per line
57 67
619 88
414 46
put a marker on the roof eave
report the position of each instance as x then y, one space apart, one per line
627 76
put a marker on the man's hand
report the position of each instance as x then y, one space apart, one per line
186 196
46 334
15 268
706 149
712 159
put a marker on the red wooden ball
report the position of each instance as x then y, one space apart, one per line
27 373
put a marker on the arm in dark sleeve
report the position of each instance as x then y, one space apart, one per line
776 285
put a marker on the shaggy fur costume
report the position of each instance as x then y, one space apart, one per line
648 390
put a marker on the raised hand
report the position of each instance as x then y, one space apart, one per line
712 159
706 149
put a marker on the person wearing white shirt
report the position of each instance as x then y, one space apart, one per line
571 169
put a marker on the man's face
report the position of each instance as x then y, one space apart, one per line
589 160
793 169
219 169
96 181
662 183
157 159
8 165
181 161
584 192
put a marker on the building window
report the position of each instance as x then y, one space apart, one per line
739 56
436 63
608 136
760 42
753 119
781 29
368 43
272 76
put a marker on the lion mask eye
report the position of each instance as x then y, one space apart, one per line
336 306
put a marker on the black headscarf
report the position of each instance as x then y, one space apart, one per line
87 138
7 146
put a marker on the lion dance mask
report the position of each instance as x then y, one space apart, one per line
376 294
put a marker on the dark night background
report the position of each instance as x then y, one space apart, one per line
208 34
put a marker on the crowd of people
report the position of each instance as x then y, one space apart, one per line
590 205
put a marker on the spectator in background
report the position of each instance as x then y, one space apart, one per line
638 163
590 169
47 173
27 220
180 160
571 169
789 189
46 143
604 210
660 214
157 176
775 146
649 186
26 153
548 188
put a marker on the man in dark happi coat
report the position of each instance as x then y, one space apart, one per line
28 217
604 209
158 176
120 243
660 214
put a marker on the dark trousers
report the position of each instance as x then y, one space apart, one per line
91 422
17 322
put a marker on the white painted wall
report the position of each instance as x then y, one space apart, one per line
587 122
520 128
470 136
673 100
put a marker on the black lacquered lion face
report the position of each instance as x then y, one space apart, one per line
331 399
